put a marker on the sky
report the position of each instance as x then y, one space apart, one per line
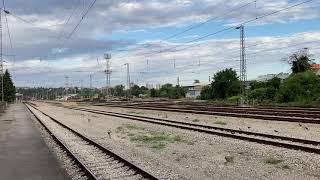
160 39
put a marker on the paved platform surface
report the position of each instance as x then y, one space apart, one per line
23 153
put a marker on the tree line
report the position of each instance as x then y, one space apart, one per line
300 88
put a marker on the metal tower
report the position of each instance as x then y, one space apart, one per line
243 66
1 58
67 84
107 57
90 76
128 75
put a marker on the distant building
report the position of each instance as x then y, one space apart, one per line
19 97
158 86
270 76
149 86
194 90
315 68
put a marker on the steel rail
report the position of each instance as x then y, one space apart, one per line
87 172
137 169
208 130
230 114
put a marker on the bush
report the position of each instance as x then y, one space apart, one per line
233 99
300 87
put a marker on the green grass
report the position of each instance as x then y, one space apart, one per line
285 166
152 139
220 123
272 160
229 159
195 120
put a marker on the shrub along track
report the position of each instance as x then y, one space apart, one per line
96 161
274 140
290 115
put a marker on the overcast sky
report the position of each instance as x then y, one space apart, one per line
141 33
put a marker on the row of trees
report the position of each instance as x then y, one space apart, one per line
302 86
166 91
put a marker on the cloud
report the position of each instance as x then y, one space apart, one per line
47 19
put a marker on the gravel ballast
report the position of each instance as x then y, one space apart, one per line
179 154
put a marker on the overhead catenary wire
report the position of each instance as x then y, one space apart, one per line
67 21
199 24
8 30
208 20
77 25
228 28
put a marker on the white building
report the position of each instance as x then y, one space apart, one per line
194 90
270 76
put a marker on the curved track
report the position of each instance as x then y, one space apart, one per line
96 161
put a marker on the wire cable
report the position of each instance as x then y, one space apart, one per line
8 29
231 27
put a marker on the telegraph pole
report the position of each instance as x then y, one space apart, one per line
1 58
243 66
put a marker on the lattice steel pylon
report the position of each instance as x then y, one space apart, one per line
1 59
243 67
108 74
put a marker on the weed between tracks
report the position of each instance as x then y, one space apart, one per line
277 162
220 123
151 139
272 160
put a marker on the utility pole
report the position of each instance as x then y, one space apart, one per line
178 81
243 66
1 58
107 57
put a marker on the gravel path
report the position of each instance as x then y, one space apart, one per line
179 154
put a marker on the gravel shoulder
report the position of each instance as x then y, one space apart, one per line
172 153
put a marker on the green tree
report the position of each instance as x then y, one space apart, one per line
153 93
119 91
225 84
206 93
300 61
135 90
8 88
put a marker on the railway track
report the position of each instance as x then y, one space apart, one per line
263 115
274 140
96 161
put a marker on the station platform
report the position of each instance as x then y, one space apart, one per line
23 153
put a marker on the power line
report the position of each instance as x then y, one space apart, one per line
67 21
201 23
77 25
210 19
232 27
82 18
8 29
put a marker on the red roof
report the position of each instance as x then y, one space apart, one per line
315 67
